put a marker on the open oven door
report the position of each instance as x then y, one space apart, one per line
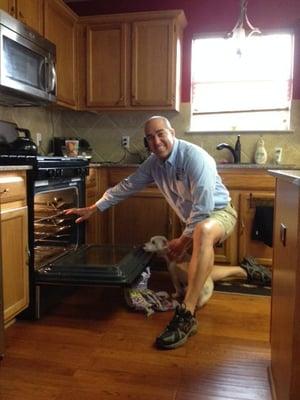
96 265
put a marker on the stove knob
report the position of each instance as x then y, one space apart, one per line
51 173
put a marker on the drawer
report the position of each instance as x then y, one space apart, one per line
12 186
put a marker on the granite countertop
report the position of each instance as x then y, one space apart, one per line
96 164
292 176
14 167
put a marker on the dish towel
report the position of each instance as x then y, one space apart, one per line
262 228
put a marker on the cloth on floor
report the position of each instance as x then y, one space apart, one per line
148 301
262 228
140 298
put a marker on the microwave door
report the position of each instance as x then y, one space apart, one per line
23 65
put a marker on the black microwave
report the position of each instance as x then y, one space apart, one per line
27 65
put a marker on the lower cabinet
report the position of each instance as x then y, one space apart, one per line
91 197
14 262
14 243
247 246
147 214
135 220
285 316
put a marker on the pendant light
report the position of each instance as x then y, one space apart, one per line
243 28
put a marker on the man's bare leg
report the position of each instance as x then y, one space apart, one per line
206 234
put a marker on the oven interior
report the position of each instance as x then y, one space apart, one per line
60 256
55 233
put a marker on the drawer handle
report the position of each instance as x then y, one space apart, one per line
4 191
283 234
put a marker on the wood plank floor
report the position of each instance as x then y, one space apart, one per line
92 347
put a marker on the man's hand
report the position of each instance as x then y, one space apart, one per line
84 213
177 247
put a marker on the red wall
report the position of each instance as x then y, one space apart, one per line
211 16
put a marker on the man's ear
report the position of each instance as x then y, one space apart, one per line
146 144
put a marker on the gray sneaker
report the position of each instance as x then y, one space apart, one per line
182 325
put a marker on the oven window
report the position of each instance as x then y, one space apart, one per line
54 232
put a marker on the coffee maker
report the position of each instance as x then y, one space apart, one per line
59 143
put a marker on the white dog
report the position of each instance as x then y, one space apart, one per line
178 271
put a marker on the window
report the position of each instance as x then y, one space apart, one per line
244 91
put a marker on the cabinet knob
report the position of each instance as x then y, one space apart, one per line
21 16
283 234
4 191
12 10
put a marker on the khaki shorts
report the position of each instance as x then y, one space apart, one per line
227 217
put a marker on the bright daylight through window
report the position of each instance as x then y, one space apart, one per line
250 90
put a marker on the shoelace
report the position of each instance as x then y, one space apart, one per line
176 320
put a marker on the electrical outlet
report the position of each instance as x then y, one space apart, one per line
125 142
38 139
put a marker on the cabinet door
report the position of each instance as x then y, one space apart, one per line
226 252
91 197
60 28
30 13
153 63
285 321
248 247
7 6
107 49
14 262
135 220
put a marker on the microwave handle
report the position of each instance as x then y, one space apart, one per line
54 78
42 67
51 81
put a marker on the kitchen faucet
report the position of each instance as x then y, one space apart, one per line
236 151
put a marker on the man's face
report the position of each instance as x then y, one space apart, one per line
159 138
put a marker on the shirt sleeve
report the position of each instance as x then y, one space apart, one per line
201 172
127 187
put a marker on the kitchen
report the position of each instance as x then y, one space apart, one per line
104 129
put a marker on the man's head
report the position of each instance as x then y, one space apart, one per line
160 136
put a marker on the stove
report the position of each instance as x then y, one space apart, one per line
58 255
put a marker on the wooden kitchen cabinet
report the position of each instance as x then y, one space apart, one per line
260 251
14 243
147 214
28 12
136 219
285 305
60 28
92 195
248 188
125 67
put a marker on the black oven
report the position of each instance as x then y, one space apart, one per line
58 255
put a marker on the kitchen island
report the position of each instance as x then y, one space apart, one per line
285 314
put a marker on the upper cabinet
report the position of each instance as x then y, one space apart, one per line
131 61
28 12
60 28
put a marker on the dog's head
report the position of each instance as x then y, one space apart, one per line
156 244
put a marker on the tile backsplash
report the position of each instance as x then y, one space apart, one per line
104 132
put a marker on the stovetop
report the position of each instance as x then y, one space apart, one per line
42 161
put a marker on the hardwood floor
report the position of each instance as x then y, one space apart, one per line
92 347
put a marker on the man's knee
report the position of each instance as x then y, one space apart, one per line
208 231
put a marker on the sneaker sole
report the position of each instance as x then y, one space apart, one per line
192 332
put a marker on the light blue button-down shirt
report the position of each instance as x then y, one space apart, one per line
188 179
